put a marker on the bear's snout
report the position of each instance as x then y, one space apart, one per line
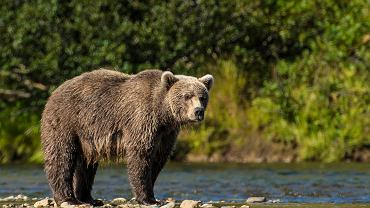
199 113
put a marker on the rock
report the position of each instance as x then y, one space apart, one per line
9 205
189 204
107 205
128 205
21 197
256 199
170 200
123 206
43 203
149 206
9 198
68 205
119 201
85 206
206 206
228 207
244 206
169 205
273 201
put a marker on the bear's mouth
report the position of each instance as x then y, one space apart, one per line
197 119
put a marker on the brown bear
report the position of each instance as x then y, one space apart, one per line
109 115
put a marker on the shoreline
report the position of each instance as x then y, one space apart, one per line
25 201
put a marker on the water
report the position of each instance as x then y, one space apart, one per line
289 183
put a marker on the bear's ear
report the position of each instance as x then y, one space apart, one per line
168 79
207 80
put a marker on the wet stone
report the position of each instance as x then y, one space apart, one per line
9 198
119 201
68 205
256 199
169 205
129 205
8 205
273 201
170 200
21 197
44 203
189 204
228 207
207 205
123 206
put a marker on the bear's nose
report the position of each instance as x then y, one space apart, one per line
199 113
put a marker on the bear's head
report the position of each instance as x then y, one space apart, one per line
187 96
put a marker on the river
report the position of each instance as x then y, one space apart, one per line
341 183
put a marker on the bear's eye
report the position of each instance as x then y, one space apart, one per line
187 96
202 98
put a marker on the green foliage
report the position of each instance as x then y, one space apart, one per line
321 101
326 116
300 69
19 136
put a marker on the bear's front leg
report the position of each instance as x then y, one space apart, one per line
139 172
162 154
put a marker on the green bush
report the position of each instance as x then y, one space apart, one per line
321 101
302 66
19 133
326 115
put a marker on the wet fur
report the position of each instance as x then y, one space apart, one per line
108 115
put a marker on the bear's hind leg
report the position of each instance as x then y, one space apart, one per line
83 181
59 168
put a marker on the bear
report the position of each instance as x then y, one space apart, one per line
106 115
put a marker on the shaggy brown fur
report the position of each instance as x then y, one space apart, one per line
108 115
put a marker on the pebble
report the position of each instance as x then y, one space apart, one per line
67 205
244 206
189 204
273 201
170 200
9 206
43 203
9 198
228 207
256 199
21 197
207 205
123 206
129 205
119 201
169 205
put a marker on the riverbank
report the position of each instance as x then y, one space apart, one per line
27 202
